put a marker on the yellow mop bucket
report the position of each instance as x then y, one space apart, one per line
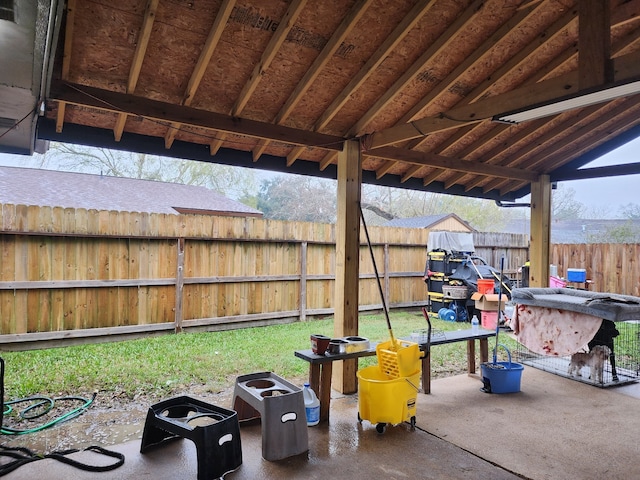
382 400
399 358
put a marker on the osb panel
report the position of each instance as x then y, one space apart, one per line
104 43
304 43
430 27
372 29
84 116
142 126
162 77
464 43
245 37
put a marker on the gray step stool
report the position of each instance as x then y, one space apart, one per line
280 407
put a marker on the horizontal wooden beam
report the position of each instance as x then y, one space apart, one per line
467 166
598 172
160 282
101 99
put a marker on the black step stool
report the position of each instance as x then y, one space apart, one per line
214 430
280 407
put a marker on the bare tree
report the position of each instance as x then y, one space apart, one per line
630 211
234 182
564 206
299 198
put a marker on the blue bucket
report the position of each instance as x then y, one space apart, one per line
501 377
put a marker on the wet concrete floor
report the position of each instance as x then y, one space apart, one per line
461 433
343 449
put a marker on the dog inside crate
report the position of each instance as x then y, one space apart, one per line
611 357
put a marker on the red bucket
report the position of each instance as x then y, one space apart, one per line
485 286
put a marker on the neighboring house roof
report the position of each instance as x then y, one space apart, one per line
29 186
574 231
429 221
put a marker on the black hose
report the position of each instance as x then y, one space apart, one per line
21 456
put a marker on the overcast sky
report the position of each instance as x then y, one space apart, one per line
611 191
603 195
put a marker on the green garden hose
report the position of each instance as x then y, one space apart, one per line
41 406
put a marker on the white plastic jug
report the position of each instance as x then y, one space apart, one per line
311 406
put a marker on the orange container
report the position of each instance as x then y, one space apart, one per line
485 286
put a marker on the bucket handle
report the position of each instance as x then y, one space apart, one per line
411 383
506 350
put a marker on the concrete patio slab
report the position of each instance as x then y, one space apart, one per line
554 428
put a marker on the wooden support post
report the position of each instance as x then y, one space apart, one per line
347 258
594 43
540 232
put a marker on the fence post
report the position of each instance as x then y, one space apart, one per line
179 285
303 281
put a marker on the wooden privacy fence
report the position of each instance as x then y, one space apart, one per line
71 274
611 267
68 274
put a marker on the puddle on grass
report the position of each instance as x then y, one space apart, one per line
96 426
119 423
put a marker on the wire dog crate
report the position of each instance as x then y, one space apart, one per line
622 365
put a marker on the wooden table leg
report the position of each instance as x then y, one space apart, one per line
471 356
426 374
314 378
325 391
484 350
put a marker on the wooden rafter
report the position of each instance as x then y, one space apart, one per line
138 59
402 29
410 173
203 62
591 115
437 47
565 57
66 58
555 29
521 53
432 160
574 139
346 26
470 61
632 9
431 177
284 27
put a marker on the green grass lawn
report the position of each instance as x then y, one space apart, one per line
161 365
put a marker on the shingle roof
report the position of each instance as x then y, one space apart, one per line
423 222
575 231
30 186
